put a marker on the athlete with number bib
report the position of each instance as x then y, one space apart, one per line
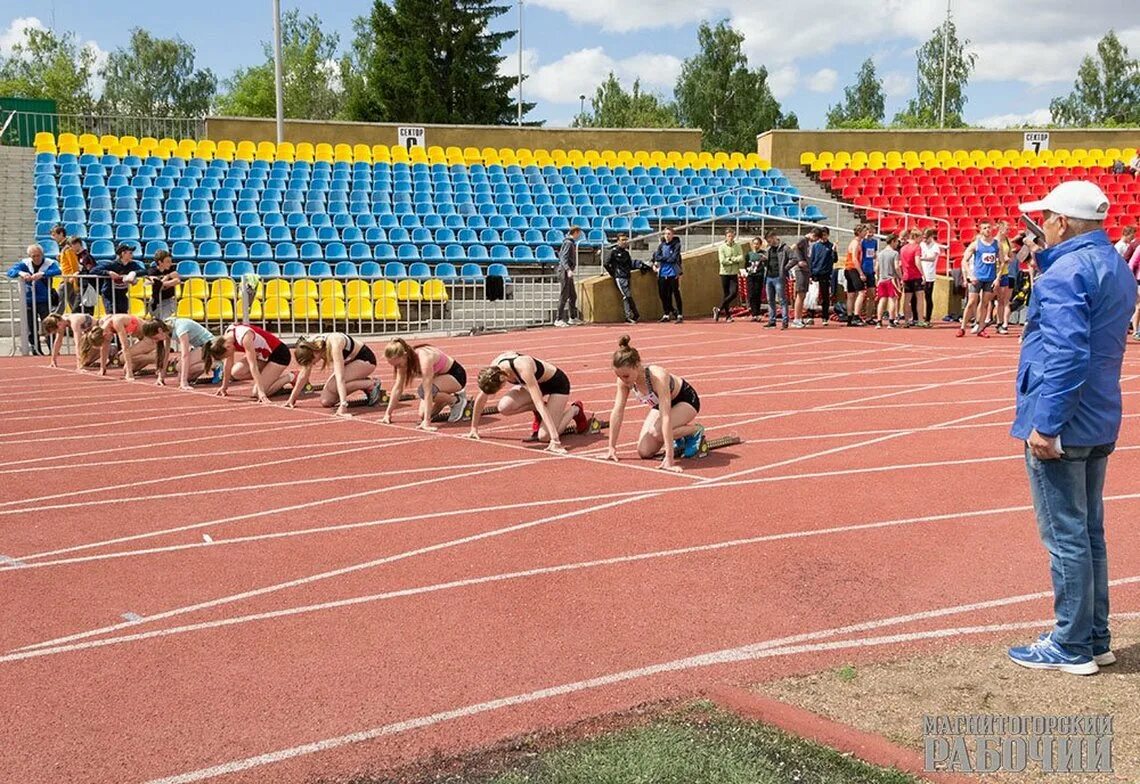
980 265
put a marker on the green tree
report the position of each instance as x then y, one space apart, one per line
718 93
155 77
50 65
1107 89
430 61
312 77
613 107
924 109
864 105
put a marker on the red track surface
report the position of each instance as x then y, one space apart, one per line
373 594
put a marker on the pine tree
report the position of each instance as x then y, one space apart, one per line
430 61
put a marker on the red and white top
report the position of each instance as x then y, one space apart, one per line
264 343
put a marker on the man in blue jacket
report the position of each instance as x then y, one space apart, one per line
822 262
667 261
37 273
1068 415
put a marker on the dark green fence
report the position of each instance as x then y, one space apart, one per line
25 117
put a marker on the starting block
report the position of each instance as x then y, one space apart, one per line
311 387
468 410
386 396
708 445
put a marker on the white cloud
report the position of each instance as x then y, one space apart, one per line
782 81
895 84
823 80
1038 117
97 81
16 31
581 72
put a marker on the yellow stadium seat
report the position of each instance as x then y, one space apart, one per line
148 142
400 155
46 137
408 291
219 309
359 308
140 288
191 308
128 141
434 291
333 308
92 149
303 152
386 309
807 158
101 311
256 311
266 151
138 306
246 155
361 153
161 152
276 308
86 139
324 152
331 288
382 289
381 153
286 152
357 288
193 287
107 140
305 308
46 147
68 139
223 288
472 155
342 153
278 289
141 152
305 289
435 149
417 155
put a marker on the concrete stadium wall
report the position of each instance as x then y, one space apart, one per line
783 148
338 132
599 301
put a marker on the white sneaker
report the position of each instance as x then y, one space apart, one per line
575 322
1104 659
560 323
797 324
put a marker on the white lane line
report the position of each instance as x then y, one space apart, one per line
39 650
162 480
197 455
728 656
270 485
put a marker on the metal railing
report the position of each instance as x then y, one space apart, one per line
307 306
21 127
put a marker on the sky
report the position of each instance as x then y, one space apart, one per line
1027 53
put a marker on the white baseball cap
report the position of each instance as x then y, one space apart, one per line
1075 199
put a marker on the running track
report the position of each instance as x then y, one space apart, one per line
373 594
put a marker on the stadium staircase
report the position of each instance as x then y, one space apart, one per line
17 216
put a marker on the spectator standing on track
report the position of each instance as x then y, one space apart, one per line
887 273
69 269
731 260
870 247
620 265
801 275
1068 415
913 293
164 286
37 272
781 259
980 265
667 262
854 277
118 274
568 292
928 253
822 261
754 261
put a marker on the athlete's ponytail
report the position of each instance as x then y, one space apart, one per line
626 355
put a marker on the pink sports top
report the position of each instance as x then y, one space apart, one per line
264 343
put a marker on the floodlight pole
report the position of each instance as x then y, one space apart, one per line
520 61
279 81
945 64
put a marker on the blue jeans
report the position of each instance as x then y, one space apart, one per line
1068 496
776 291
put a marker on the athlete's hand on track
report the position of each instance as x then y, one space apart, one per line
290 404
611 454
556 448
186 387
671 467
223 392
160 382
427 426
262 397
473 435
386 419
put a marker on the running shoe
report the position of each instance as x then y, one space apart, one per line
680 318
1002 329
728 319
665 318
770 325
374 394
1044 654
716 314
457 408
692 443
560 323
797 324
581 421
1106 658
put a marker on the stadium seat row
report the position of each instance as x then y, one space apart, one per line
307 152
369 270
943 159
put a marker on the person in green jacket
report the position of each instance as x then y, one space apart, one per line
731 258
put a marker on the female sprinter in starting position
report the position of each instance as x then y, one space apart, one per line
55 326
194 357
535 386
443 376
265 360
352 363
674 405
136 356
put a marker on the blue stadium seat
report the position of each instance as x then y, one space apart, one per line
311 251
500 253
408 252
260 251
293 269
395 269
499 269
431 253
188 268
472 273
215 269
268 269
236 251
320 269
151 248
370 270
240 268
546 254
335 252
419 271
285 251
523 253
446 272
346 269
